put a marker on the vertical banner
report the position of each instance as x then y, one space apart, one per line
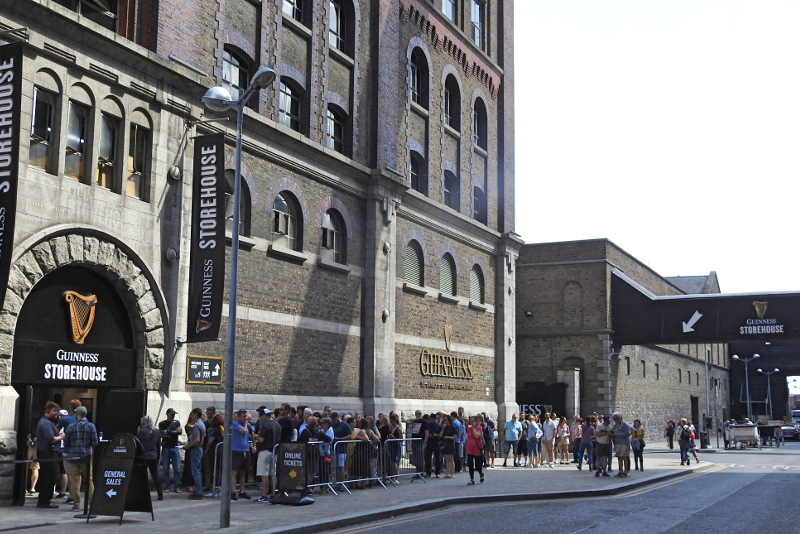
207 267
10 118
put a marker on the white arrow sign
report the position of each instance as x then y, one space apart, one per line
111 493
687 327
216 371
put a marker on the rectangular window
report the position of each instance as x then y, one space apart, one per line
331 242
75 158
478 16
335 26
137 160
107 151
293 8
448 106
657 373
289 108
628 364
449 9
644 370
335 139
41 151
234 74
414 80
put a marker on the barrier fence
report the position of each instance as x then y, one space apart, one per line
349 463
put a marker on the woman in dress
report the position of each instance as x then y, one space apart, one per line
449 434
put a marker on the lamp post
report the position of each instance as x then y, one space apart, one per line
747 380
769 386
219 99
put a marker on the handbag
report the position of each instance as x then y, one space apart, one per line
636 444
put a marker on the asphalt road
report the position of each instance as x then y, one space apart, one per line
744 492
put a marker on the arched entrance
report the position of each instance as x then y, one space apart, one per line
83 319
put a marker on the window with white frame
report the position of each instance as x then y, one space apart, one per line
335 130
234 73
450 10
333 239
452 191
477 23
285 229
289 106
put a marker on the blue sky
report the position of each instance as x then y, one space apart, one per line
669 127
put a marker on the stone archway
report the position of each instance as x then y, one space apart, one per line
110 258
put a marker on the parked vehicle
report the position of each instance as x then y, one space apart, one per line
790 432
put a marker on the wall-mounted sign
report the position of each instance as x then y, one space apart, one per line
81 314
204 370
10 122
48 363
445 366
761 325
207 264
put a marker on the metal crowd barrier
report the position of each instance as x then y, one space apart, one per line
403 458
357 462
216 476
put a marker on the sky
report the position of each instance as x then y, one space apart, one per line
670 127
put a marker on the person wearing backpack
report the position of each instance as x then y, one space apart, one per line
684 432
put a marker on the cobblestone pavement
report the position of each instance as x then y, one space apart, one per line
177 514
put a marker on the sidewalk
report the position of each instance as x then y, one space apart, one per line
176 514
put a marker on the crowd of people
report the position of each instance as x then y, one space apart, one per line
443 445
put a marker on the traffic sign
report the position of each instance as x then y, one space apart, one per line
204 369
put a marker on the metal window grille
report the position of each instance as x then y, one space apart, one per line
475 285
447 284
413 265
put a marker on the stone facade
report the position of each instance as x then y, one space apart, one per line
564 322
311 330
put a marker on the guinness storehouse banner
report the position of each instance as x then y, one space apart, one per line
207 267
10 119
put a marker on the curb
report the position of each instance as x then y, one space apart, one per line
428 505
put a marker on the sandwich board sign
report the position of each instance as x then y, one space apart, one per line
121 480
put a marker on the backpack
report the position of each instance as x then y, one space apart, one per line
686 433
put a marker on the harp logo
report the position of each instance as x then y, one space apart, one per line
761 309
448 335
81 314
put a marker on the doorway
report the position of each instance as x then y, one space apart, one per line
696 411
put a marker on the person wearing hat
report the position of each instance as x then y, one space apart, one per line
79 441
170 429
603 453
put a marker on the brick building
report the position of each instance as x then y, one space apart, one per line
565 336
376 256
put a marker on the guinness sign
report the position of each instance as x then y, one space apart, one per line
445 366
10 121
207 266
81 314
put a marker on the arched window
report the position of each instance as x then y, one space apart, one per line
419 78
479 124
139 148
413 266
340 26
76 150
235 73
452 103
452 191
419 173
108 149
447 275
478 13
289 105
287 226
478 205
476 284
333 245
244 205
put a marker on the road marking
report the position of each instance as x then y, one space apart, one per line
646 489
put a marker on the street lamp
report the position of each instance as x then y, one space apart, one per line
747 380
769 386
219 99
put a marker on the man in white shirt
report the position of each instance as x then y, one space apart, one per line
603 452
549 430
